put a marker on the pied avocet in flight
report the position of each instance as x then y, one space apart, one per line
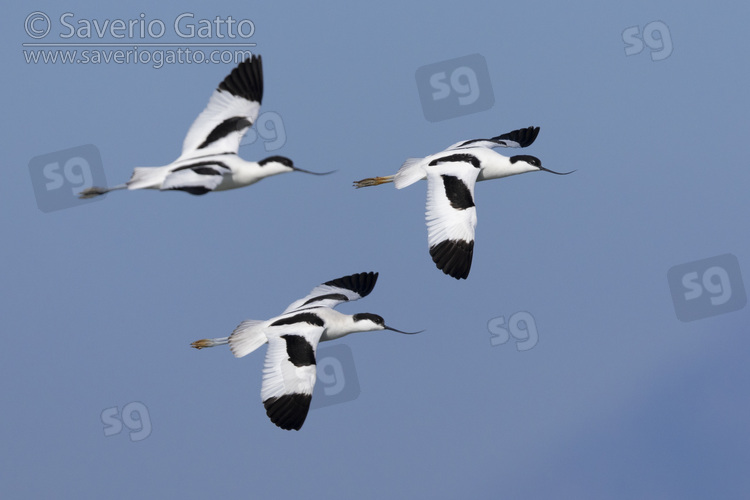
293 336
209 160
451 176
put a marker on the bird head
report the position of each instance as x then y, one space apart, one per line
282 164
526 163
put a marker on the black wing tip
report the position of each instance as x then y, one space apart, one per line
524 136
246 80
453 257
360 283
288 411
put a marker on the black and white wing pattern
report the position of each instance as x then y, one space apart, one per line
196 178
290 369
451 214
517 139
231 110
334 292
520 138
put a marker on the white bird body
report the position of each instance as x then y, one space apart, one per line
451 176
289 372
252 334
220 172
493 165
209 160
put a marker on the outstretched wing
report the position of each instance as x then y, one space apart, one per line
232 109
334 292
196 178
290 369
451 214
516 139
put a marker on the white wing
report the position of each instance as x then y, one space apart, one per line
289 370
451 214
232 109
196 178
334 292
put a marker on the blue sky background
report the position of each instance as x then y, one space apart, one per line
618 398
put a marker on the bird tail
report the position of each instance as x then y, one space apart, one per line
247 337
142 178
95 191
409 173
146 178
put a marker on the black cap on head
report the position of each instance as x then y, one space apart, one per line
278 159
372 317
531 160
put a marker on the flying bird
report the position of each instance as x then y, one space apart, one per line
289 371
209 160
451 175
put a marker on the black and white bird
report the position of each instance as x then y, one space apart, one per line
451 176
209 160
289 371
